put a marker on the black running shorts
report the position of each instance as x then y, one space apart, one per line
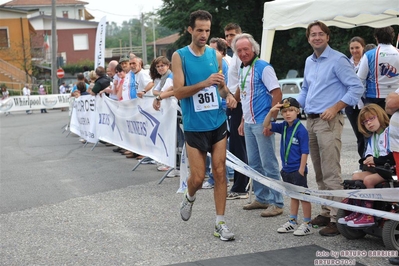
204 141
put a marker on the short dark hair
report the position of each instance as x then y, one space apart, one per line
322 26
80 76
199 15
384 35
100 71
221 45
233 26
81 86
118 68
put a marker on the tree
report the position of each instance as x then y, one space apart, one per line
21 54
290 47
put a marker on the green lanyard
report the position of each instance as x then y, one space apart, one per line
246 75
287 150
376 150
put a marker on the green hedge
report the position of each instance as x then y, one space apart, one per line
78 67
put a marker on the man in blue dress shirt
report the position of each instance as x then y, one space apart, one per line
330 84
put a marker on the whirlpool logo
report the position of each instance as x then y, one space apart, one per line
50 101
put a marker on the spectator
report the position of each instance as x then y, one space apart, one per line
82 88
373 123
236 142
294 150
327 71
356 48
143 81
26 92
259 91
42 91
102 82
4 95
80 77
380 74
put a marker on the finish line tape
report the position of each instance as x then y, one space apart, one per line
384 194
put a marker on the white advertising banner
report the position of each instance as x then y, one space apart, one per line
34 102
135 125
84 118
99 52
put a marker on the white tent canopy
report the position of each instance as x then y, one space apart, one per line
288 14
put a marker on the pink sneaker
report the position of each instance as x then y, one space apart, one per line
351 216
362 221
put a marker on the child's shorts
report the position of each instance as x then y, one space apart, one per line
295 178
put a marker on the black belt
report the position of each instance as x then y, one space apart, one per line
314 116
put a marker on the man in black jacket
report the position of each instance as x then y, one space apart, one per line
102 82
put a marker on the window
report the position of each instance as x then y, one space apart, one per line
4 38
289 88
65 14
80 42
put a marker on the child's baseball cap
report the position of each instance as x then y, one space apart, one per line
287 102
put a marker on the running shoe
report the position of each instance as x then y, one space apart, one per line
207 185
223 232
186 207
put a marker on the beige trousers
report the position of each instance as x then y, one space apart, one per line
325 151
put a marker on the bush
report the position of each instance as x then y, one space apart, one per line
78 67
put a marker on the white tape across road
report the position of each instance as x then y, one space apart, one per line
384 194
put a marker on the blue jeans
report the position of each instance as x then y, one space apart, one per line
262 158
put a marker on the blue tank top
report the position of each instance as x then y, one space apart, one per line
197 69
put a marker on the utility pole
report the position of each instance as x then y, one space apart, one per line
130 39
153 37
54 79
143 40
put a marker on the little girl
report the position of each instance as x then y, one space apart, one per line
373 123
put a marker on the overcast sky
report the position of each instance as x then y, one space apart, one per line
118 10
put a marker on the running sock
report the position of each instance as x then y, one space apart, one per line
219 218
306 220
190 198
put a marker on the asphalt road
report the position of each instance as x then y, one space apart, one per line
63 204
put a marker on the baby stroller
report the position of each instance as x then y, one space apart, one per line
387 229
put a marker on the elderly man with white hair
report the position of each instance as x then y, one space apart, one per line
259 90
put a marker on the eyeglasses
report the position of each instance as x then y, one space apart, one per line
371 119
